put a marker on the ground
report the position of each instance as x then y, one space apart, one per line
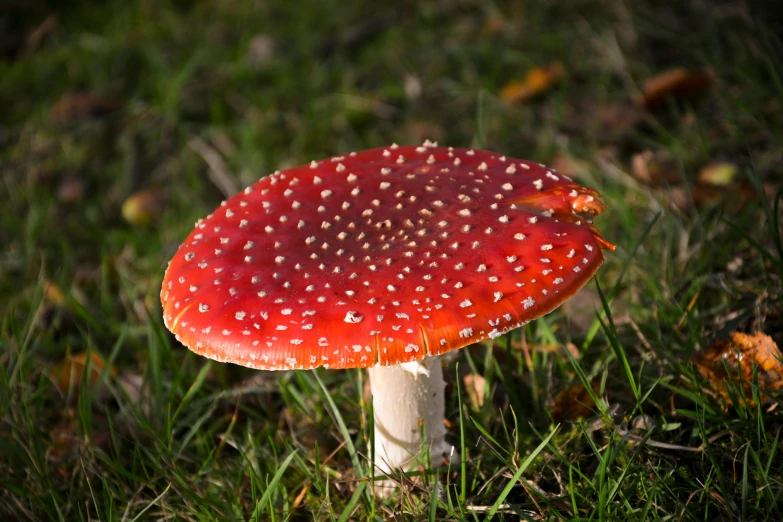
124 122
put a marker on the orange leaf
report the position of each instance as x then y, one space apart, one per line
674 83
83 105
69 372
735 358
537 81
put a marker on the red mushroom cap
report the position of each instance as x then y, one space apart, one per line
383 256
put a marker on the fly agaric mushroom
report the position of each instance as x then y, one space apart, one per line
383 259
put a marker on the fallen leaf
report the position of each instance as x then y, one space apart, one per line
474 388
63 446
68 442
642 422
654 169
83 105
143 207
53 293
70 190
674 84
575 403
38 35
537 81
68 373
718 174
735 358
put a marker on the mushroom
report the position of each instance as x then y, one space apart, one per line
383 259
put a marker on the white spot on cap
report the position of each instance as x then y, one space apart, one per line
466 332
353 317
528 302
466 303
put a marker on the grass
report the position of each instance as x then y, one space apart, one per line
164 434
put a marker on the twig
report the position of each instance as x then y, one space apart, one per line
219 173
656 444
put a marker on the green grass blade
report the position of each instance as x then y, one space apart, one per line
270 488
512 482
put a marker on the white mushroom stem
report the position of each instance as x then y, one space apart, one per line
408 399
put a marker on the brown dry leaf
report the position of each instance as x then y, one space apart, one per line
143 207
675 83
70 190
38 35
654 169
83 105
63 446
68 443
536 81
735 358
575 403
68 373
474 387
718 174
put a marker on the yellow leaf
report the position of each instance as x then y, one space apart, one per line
143 207
718 174
537 81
